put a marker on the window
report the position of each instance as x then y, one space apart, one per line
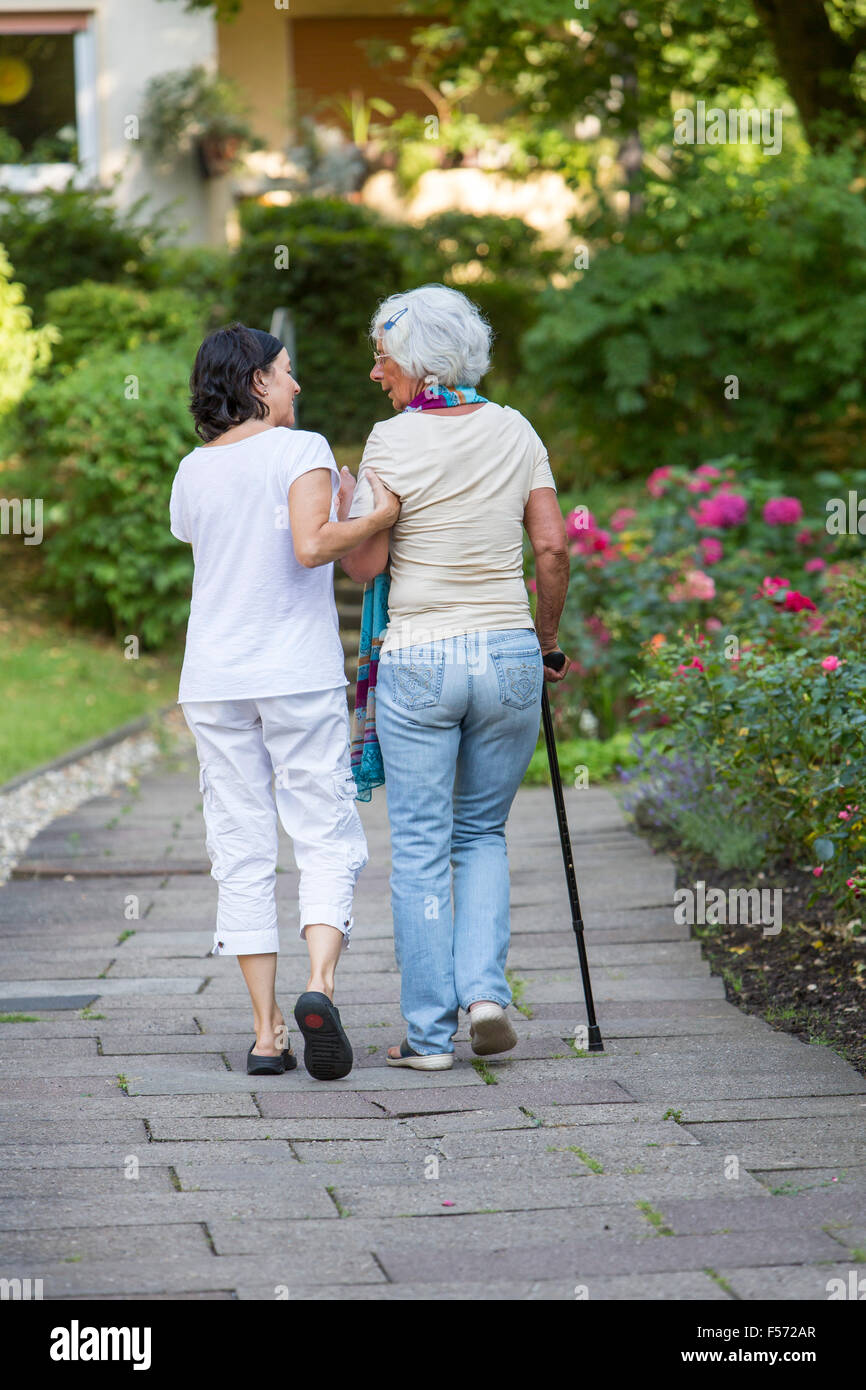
47 108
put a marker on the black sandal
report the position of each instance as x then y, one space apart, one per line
327 1051
270 1066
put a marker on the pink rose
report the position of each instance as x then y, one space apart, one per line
579 522
711 549
589 541
771 585
814 565
725 509
831 663
804 537
694 665
795 602
655 483
783 511
621 518
695 585
818 871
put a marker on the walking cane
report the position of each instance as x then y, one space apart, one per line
556 661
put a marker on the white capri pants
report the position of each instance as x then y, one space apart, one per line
286 755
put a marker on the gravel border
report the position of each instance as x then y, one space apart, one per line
32 801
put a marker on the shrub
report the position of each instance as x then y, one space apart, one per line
56 239
697 547
778 734
23 349
204 272
342 262
104 465
726 274
93 316
499 262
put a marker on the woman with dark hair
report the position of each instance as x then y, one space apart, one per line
263 685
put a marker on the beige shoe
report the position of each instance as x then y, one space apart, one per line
421 1061
490 1030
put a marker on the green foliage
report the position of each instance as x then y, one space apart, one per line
23 349
187 105
342 262
780 736
104 465
598 759
344 259
757 275
91 315
57 239
498 261
204 272
622 65
643 572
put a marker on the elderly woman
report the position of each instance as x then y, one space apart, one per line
263 688
461 667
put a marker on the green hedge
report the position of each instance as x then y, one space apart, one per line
58 239
341 263
103 465
730 272
90 316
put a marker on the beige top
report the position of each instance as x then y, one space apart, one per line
457 545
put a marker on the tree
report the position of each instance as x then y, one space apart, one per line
622 64
22 348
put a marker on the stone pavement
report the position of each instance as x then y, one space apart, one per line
701 1156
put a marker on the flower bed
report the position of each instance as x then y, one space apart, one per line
723 614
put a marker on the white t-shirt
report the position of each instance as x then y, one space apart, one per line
260 623
457 545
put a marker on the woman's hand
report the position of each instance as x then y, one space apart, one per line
386 504
345 494
556 672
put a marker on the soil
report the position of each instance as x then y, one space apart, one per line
809 980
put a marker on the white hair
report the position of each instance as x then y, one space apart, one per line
435 334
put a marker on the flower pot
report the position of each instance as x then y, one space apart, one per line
217 154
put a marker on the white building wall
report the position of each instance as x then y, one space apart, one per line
134 40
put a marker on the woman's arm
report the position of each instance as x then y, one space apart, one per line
318 541
546 528
370 557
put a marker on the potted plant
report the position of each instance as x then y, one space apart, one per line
194 111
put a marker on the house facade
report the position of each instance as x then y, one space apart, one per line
72 82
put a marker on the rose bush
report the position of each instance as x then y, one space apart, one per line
717 546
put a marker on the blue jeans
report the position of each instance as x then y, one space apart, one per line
457 722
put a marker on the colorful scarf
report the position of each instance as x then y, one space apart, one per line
367 765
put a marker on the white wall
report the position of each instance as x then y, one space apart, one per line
135 40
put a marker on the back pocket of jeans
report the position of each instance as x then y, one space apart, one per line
520 675
416 684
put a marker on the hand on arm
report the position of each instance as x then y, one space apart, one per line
319 541
370 557
546 529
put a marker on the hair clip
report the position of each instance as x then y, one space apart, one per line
392 321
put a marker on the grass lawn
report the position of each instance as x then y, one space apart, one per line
61 686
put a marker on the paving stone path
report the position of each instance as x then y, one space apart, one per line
701 1156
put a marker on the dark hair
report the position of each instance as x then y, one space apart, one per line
221 381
